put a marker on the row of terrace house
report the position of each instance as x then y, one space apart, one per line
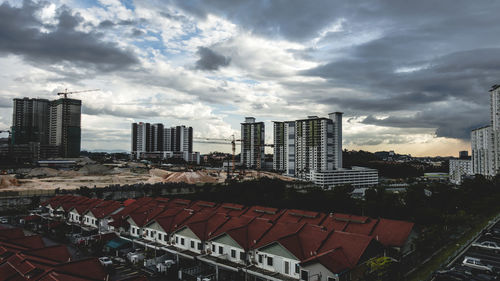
249 243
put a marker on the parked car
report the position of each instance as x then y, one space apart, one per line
476 263
105 261
4 220
487 245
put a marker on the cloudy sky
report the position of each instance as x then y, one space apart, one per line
410 76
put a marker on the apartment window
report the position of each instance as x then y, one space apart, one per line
221 250
269 261
304 275
182 241
192 244
297 268
260 258
243 256
213 248
287 267
233 253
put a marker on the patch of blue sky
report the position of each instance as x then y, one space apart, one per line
129 4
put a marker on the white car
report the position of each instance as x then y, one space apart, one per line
476 263
105 261
487 245
4 220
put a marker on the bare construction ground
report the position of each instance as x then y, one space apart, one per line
98 175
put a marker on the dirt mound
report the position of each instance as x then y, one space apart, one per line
95 170
158 175
43 172
8 181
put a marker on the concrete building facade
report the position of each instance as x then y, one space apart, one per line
65 126
459 168
253 143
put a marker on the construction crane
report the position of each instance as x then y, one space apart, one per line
66 93
233 141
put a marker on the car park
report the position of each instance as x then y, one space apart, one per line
487 245
476 264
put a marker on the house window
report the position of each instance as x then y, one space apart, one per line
192 244
287 267
233 253
159 236
269 261
330 279
260 258
243 256
213 248
297 268
152 234
133 230
199 246
182 241
221 250
176 240
165 238
147 232
304 275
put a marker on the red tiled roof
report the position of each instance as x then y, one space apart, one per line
302 216
57 253
335 260
105 209
231 209
264 212
304 243
89 268
392 233
231 223
353 245
11 233
204 228
127 202
278 230
362 228
203 205
248 234
28 242
172 218
178 203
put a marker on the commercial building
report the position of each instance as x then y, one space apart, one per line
311 149
157 142
460 168
252 143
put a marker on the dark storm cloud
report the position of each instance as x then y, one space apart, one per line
210 60
20 34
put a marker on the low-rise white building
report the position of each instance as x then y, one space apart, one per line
460 168
356 176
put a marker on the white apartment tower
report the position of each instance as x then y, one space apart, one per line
253 143
312 144
485 141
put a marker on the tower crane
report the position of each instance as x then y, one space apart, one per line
66 93
233 141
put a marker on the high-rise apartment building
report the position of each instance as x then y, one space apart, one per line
141 138
459 168
308 144
311 149
495 126
65 126
485 141
252 143
482 151
156 141
30 121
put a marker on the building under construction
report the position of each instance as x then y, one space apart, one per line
44 129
